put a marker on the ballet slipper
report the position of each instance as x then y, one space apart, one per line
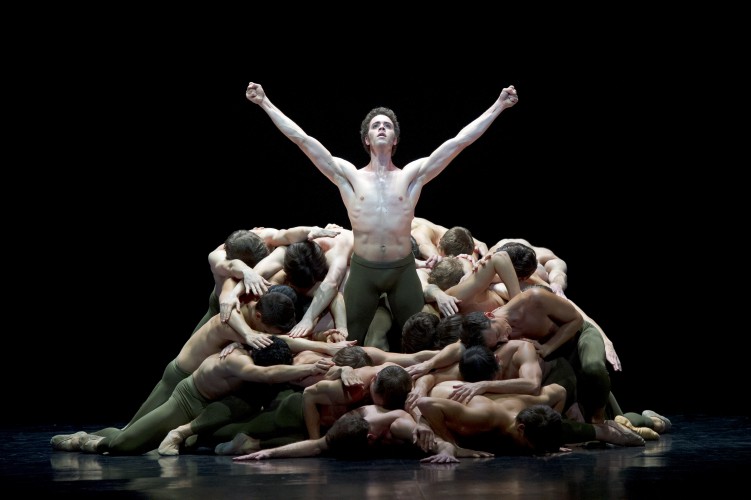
68 442
652 414
645 432
241 444
621 435
89 442
170 445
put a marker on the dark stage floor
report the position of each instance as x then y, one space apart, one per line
701 453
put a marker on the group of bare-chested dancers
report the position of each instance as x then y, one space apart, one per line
292 358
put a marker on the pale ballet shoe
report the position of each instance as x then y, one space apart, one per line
622 436
241 444
89 442
68 442
170 445
645 432
652 414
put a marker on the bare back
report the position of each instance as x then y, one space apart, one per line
209 339
512 355
534 316
216 377
541 315
485 300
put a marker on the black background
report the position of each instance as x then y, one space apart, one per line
142 155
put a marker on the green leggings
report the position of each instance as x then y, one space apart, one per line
586 353
580 432
368 280
159 395
638 420
145 434
559 371
281 423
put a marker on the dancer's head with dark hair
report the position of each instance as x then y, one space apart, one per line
246 246
277 312
419 332
478 363
305 265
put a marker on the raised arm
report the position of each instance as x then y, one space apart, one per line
332 167
428 168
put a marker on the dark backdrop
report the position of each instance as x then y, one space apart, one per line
152 155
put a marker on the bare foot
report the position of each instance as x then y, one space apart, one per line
170 445
241 444
68 442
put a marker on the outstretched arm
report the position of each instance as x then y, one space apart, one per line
428 168
379 356
307 448
332 167
245 369
297 234
297 345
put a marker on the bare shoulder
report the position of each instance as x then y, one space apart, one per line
513 345
537 296
419 222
